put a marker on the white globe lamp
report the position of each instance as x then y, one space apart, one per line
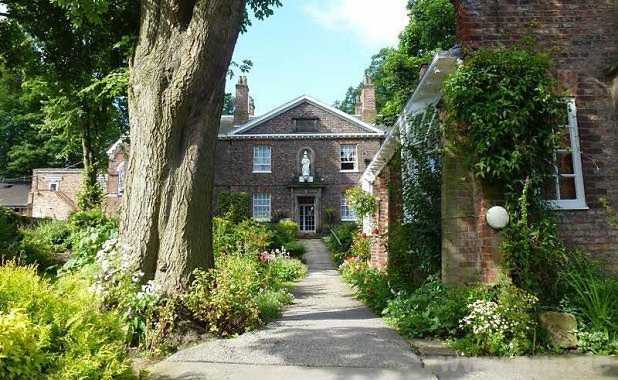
497 217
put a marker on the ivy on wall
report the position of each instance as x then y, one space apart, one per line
415 242
505 111
504 103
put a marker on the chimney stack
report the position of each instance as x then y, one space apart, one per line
241 102
368 102
358 107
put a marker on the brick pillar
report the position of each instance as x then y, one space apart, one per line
379 236
470 251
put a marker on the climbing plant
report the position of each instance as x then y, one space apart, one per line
414 242
505 105
506 115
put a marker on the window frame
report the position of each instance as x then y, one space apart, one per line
349 216
255 157
55 184
341 162
254 205
579 203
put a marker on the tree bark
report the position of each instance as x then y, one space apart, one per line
175 98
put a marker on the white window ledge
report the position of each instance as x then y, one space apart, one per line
563 205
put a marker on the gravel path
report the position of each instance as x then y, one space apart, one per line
326 334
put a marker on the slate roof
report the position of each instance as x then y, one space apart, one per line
14 195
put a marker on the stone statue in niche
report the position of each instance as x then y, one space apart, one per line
305 164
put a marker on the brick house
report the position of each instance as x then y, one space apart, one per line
582 38
297 160
54 192
263 156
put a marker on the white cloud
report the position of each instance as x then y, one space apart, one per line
375 22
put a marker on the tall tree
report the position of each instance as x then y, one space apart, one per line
176 96
79 69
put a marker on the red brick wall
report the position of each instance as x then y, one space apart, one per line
582 38
381 220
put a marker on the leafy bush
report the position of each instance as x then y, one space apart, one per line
502 326
224 297
53 236
8 228
432 310
271 302
361 202
295 249
21 346
360 247
233 206
340 240
90 218
280 270
285 231
80 340
246 238
597 342
370 285
86 242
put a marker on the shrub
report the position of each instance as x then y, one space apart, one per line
295 249
246 238
370 284
505 104
89 218
285 231
54 236
361 202
340 240
361 245
8 227
432 310
84 342
224 297
86 242
271 302
233 206
21 346
280 270
597 342
502 326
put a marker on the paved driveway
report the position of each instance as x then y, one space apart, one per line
326 334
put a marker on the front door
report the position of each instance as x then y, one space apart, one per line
306 214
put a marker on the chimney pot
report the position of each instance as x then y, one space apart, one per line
241 103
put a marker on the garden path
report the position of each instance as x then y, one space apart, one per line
326 334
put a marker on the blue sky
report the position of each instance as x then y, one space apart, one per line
315 47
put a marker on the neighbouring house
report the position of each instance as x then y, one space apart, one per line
582 38
295 161
15 197
54 192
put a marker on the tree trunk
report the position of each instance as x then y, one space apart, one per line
175 99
